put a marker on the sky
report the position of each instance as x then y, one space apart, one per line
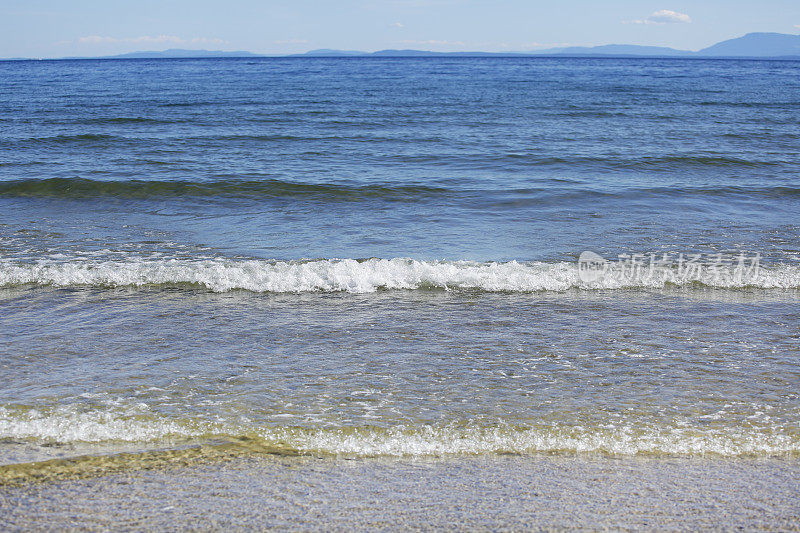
58 28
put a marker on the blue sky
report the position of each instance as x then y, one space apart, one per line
55 28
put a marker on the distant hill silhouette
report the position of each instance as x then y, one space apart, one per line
756 44
763 45
618 50
402 53
175 52
330 52
750 45
172 53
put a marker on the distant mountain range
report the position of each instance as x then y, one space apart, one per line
771 45
175 53
750 45
757 44
760 45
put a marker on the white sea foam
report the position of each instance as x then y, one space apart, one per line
355 276
70 425
430 440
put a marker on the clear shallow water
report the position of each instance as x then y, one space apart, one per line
476 493
379 256
404 373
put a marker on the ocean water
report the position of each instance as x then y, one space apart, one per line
380 257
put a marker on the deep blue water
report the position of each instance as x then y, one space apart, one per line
431 158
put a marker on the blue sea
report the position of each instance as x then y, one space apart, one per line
399 258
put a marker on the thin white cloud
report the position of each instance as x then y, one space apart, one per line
548 45
797 26
146 39
664 16
397 25
291 41
436 42
207 40
92 39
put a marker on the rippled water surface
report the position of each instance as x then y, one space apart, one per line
378 256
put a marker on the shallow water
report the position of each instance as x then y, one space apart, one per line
407 373
486 493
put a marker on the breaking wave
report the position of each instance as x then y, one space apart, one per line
365 276
67 425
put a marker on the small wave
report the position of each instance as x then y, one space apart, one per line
86 188
365 276
500 439
700 161
651 164
123 120
82 138
547 190
70 425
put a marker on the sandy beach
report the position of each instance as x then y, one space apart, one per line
476 493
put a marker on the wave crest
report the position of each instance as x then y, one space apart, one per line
358 276
82 188
68 426
233 188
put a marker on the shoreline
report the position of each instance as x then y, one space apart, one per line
478 492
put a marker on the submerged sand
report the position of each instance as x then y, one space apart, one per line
482 492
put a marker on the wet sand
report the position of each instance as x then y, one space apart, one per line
477 493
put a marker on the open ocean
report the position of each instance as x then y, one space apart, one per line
378 257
